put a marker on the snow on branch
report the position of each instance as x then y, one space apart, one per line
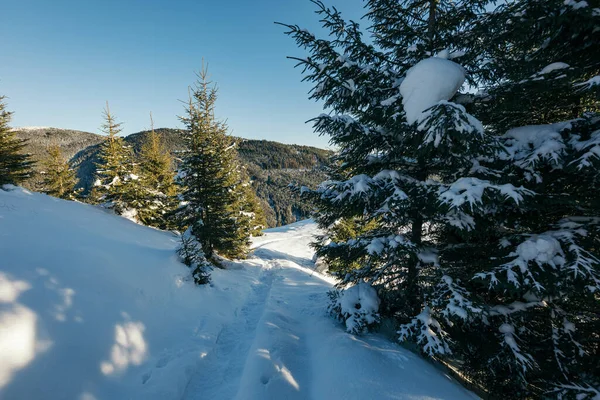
356 305
590 149
455 298
428 333
342 125
471 191
361 186
551 252
385 244
577 391
524 360
437 120
528 145
590 83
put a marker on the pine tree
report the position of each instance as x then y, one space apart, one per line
15 166
541 97
211 179
117 183
157 180
59 178
412 164
250 206
485 245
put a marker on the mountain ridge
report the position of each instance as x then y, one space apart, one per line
272 166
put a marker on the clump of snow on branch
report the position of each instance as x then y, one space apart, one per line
437 119
554 250
357 306
553 67
427 83
471 191
427 332
524 360
529 145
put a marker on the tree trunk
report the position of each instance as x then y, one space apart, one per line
431 24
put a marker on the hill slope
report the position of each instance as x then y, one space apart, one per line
272 166
93 306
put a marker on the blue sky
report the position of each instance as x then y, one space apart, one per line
62 59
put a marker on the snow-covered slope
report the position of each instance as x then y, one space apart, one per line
93 306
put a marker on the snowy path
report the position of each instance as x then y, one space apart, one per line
281 345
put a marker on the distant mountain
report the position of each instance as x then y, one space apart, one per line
272 166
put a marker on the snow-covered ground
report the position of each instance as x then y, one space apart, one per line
93 306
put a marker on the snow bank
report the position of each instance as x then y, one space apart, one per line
93 306
427 83
357 306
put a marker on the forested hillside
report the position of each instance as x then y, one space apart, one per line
272 166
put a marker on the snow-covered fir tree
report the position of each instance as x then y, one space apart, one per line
408 156
485 241
191 254
15 165
59 178
541 97
157 181
213 186
117 185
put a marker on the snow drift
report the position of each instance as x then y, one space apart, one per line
93 306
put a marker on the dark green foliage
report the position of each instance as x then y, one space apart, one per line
117 185
212 180
59 178
15 164
485 242
159 197
540 68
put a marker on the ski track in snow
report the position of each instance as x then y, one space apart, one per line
225 363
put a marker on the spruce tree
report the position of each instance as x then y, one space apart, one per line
250 206
485 244
211 178
412 165
15 165
157 180
408 167
117 185
541 98
59 178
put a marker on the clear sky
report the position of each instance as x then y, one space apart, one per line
61 60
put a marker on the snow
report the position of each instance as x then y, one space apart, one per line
93 306
553 67
471 191
594 81
31 128
576 5
528 145
359 305
543 249
428 82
